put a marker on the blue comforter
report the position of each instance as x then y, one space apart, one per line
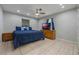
23 37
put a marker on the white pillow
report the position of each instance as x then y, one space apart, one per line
22 28
27 28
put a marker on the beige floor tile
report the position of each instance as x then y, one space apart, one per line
42 47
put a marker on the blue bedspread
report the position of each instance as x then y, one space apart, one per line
23 37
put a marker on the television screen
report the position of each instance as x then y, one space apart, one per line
45 26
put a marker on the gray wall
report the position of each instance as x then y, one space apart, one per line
65 25
12 20
1 25
78 27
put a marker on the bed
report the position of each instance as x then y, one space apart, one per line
26 36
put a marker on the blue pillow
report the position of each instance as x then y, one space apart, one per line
30 28
25 28
18 28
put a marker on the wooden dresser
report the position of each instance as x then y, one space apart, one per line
7 37
49 34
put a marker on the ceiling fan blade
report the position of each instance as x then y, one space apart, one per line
36 10
39 11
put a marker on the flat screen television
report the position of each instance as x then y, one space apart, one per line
46 26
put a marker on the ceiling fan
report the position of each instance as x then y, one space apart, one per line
39 11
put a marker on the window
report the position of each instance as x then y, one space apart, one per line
25 22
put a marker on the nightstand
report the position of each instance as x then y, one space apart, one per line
7 37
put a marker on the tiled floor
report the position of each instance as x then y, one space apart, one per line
42 47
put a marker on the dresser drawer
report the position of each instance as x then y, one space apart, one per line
49 34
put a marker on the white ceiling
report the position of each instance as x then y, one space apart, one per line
30 8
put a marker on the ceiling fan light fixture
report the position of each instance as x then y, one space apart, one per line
18 10
37 14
